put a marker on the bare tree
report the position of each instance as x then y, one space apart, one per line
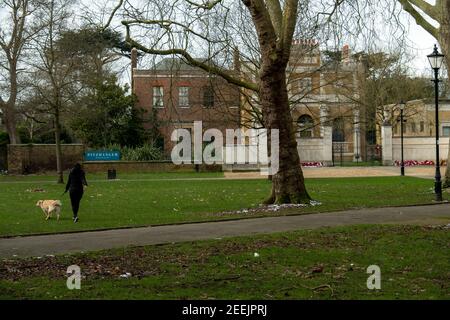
15 34
181 27
54 82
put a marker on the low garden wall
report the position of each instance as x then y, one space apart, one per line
419 148
316 149
35 158
146 166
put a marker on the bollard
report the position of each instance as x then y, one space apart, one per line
112 174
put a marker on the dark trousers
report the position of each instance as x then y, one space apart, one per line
75 198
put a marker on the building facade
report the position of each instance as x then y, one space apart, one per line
420 118
178 94
322 95
419 131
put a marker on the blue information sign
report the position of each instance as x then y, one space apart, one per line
102 155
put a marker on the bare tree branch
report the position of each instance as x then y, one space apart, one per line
289 23
276 15
111 17
420 20
429 9
207 67
207 5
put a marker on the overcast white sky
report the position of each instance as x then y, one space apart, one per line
420 42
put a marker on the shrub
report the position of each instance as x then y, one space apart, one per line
147 152
4 138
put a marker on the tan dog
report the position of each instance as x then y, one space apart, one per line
50 206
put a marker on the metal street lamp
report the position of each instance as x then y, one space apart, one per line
358 134
402 165
436 60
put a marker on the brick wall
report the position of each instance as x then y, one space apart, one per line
225 114
145 166
34 158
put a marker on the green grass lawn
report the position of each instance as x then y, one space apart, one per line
103 176
328 263
150 199
338 163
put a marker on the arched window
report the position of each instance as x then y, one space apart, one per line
338 130
305 126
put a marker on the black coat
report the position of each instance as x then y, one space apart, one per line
76 181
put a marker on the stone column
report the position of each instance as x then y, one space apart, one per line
386 144
328 145
323 119
326 133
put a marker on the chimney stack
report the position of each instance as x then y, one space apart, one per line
134 58
236 61
134 55
345 53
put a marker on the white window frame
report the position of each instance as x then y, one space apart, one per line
305 132
339 83
158 97
183 97
445 125
302 86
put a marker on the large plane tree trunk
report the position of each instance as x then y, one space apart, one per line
444 41
446 183
288 184
275 31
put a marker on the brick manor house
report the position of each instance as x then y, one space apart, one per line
322 91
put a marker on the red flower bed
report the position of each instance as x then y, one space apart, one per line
312 164
412 163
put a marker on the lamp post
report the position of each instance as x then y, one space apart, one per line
435 60
402 164
357 156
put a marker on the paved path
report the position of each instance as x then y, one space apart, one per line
97 240
343 172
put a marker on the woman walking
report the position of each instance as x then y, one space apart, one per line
77 180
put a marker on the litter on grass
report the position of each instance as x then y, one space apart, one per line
270 208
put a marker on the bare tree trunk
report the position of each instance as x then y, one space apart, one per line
11 49
10 124
288 184
9 107
58 148
446 183
444 41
